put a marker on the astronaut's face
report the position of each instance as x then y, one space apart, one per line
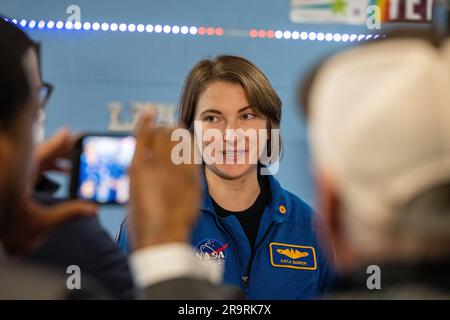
224 108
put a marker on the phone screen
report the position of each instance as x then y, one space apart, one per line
102 173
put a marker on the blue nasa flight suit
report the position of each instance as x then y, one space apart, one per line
287 261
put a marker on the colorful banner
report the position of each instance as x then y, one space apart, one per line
355 11
329 11
405 10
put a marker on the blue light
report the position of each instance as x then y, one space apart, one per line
131 27
59 25
105 26
69 25
140 28
312 36
77 25
193 30
158 28
123 27
23 23
87 26
113 27
50 24
149 28
41 24
14 21
96 26
32 24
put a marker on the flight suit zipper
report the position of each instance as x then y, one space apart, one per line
232 245
246 276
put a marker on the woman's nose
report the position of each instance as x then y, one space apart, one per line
229 135
234 134
230 131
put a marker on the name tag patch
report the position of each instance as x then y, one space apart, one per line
292 256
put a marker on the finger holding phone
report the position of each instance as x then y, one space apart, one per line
164 196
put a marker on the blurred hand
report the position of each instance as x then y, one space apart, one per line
49 153
28 222
164 197
31 222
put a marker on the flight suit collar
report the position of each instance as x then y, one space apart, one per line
280 207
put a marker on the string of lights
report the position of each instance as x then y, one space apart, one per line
193 30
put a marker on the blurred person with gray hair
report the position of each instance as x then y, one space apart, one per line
379 119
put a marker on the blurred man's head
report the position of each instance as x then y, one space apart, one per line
380 136
20 85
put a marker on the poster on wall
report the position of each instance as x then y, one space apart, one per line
329 11
418 11
355 11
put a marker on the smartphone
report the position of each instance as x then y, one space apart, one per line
100 168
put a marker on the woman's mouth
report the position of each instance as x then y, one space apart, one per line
234 155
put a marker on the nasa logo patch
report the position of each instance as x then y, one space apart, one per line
212 250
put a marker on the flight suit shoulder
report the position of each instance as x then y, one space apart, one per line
301 212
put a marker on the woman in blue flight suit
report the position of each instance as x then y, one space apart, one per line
265 236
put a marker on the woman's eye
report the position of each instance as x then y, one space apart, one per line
210 119
248 116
